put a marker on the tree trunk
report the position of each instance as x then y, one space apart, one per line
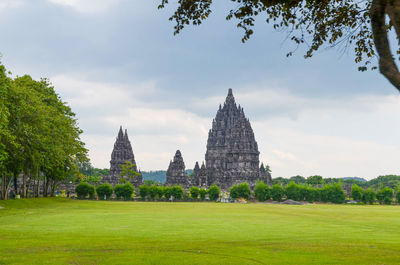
53 188
379 9
24 186
16 183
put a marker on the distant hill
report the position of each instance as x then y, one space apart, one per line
355 178
159 175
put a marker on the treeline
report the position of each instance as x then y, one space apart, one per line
152 192
39 137
391 181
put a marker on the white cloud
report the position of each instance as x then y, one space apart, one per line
9 4
88 6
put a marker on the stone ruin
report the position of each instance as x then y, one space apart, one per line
121 153
176 171
232 155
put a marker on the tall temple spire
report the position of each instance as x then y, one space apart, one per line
121 153
232 153
176 171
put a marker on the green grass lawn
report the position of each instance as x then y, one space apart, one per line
61 231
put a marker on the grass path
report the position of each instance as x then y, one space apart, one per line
61 231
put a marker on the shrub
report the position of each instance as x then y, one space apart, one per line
277 192
124 191
168 192
240 191
398 195
143 191
154 192
293 192
104 191
356 192
194 192
262 191
177 192
213 192
202 193
385 195
368 196
84 189
311 194
333 193
92 192
160 192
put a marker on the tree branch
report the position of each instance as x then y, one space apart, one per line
387 65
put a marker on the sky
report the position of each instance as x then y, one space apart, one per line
117 62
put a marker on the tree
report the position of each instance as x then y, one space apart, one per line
177 192
298 179
84 189
356 192
277 192
213 192
315 180
369 196
293 192
194 192
143 191
124 191
385 195
261 191
202 193
128 170
168 192
333 193
240 191
104 191
398 195
316 24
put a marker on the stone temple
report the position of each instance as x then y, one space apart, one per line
176 171
232 153
121 153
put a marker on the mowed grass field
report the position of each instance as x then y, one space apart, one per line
62 231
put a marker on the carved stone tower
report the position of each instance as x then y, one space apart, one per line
176 171
121 153
232 153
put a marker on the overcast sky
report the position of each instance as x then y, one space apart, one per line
116 62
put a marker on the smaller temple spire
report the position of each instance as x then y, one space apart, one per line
120 133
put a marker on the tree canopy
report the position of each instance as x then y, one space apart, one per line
359 25
39 138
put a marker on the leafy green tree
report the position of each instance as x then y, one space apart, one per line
262 191
202 193
293 192
398 195
128 172
240 191
155 191
369 196
356 192
168 192
311 194
194 192
385 195
333 193
347 23
104 191
143 191
315 180
277 192
177 192
213 192
298 179
125 191
84 190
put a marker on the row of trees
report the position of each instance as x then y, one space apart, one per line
39 136
146 192
392 181
262 192
384 195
